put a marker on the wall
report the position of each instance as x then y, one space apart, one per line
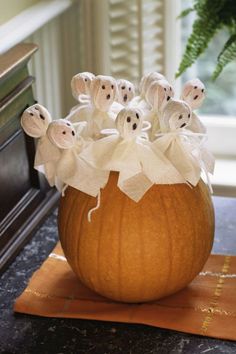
9 9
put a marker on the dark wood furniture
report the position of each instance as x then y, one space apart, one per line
25 197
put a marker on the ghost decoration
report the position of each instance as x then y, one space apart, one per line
147 80
80 87
174 141
126 152
80 84
126 91
71 169
194 93
158 95
140 100
98 113
35 121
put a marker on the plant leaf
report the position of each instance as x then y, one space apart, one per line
202 33
185 12
209 20
227 54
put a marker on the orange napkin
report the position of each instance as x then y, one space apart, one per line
207 306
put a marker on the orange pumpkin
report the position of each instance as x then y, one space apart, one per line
136 252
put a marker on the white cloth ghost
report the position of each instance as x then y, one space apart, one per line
157 95
139 101
147 80
126 91
35 121
130 155
80 85
174 142
194 93
98 114
71 168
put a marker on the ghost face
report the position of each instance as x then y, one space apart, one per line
80 84
129 123
62 134
103 92
193 93
147 80
177 114
35 121
126 91
159 94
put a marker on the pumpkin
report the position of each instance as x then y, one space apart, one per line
137 252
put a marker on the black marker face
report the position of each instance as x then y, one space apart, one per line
122 87
31 113
73 133
108 97
137 115
134 126
103 87
181 116
195 97
128 119
42 117
125 98
64 133
183 125
168 98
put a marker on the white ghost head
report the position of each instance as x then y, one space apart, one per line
158 94
147 80
126 91
62 134
176 114
129 122
80 84
35 120
193 93
103 91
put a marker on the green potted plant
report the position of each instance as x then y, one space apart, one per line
211 17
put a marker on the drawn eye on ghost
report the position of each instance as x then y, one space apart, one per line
129 123
176 115
62 134
193 93
35 121
126 91
80 84
103 92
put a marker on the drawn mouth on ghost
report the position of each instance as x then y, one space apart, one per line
108 97
125 98
183 125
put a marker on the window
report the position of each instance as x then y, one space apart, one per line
220 93
219 109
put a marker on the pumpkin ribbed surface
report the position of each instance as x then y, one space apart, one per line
135 252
